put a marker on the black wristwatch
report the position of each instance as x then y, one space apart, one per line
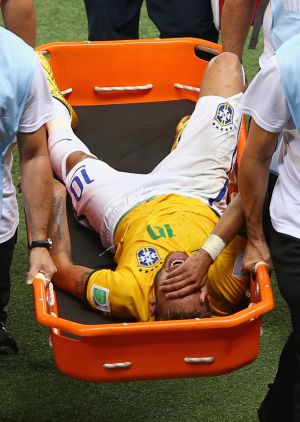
47 243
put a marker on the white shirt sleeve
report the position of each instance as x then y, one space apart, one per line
264 99
39 107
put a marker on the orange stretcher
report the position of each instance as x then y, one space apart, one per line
140 76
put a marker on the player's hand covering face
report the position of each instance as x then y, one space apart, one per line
187 275
188 303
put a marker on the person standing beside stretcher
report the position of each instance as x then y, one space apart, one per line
281 21
119 20
159 221
25 106
276 87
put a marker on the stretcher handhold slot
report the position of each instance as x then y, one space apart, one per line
208 49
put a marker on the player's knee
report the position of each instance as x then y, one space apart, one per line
228 62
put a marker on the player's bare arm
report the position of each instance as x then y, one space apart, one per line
69 277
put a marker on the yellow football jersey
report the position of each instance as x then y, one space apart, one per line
143 238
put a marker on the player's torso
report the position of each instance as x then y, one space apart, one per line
148 233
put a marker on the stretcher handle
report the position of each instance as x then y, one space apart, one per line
207 49
117 365
45 316
209 359
187 87
189 360
117 89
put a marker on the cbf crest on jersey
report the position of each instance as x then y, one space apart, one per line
147 257
224 116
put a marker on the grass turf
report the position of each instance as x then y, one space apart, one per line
31 387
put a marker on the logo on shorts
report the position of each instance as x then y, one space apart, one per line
147 257
224 114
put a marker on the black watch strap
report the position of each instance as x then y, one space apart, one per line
47 243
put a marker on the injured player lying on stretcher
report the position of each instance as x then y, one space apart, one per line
175 257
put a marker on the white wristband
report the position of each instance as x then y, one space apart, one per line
214 246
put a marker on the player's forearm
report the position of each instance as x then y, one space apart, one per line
237 16
37 193
231 221
19 17
226 229
69 277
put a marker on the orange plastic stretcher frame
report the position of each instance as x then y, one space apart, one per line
148 350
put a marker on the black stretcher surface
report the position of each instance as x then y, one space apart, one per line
129 137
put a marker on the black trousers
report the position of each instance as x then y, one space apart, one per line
282 402
6 255
119 19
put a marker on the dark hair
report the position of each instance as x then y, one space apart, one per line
173 313
161 315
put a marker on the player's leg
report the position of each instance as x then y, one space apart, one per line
203 159
224 77
55 92
98 192
65 148
62 142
